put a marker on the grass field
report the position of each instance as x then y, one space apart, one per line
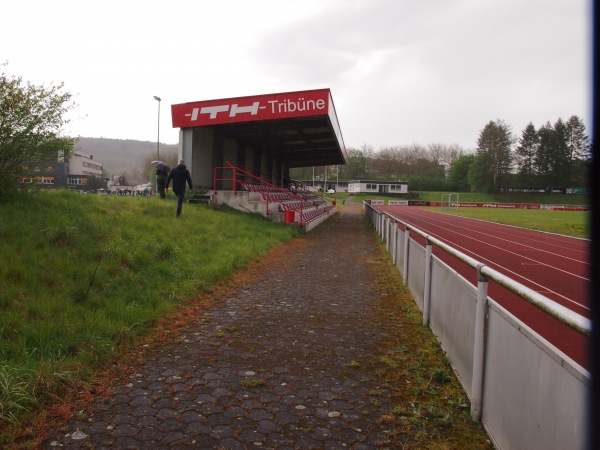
543 199
569 223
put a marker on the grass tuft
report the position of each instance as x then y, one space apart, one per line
253 382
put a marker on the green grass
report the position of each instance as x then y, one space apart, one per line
568 223
82 275
544 199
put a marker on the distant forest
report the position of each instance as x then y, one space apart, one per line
125 156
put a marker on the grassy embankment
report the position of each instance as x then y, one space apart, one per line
84 275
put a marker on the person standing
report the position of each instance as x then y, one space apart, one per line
161 179
180 175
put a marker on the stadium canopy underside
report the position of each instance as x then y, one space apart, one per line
300 142
269 133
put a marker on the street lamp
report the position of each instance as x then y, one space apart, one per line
158 127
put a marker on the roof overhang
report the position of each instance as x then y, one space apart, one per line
298 128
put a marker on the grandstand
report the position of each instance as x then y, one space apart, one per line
242 149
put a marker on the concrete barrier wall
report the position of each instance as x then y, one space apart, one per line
416 270
533 396
452 318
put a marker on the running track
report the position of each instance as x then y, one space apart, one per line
555 266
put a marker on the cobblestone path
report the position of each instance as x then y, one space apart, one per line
287 361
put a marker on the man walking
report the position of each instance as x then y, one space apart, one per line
161 179
180 175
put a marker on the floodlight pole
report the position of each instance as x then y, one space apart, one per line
158 128
157 141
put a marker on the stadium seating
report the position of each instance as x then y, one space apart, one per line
296 204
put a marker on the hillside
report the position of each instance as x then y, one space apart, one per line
122 155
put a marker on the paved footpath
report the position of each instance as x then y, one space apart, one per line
286 361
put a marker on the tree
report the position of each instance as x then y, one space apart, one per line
577 141
444 154
542 159
386 163
94 183
480 173
526 152
495 141
31 118
458 175
580 151
560 160
357 165
552 159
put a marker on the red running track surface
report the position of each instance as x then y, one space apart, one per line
555 266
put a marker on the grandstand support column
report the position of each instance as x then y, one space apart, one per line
250 166
285 171
263 163
186 146
230 149
196 148
275 174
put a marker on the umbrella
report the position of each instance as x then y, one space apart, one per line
159 165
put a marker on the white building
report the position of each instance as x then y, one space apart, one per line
82 166
377 187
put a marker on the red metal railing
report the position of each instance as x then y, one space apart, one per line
240 176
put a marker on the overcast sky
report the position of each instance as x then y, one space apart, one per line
400 71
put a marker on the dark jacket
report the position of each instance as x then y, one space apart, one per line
162 174
179 175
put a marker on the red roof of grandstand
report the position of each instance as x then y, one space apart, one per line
300 128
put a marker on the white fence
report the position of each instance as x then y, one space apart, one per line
526 392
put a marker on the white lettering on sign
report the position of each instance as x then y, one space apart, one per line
214 110
253 109
288 105
194 114
275 106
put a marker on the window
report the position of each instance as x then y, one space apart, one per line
77 181
91 166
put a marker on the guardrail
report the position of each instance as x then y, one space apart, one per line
240 177
526 392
